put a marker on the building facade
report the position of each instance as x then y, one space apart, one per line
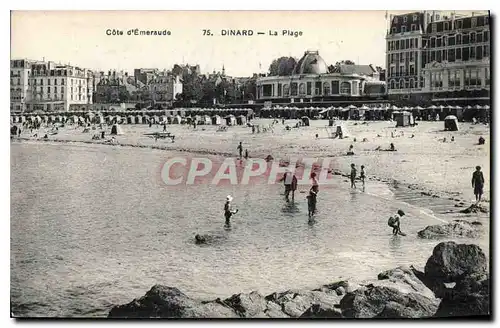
448 60
164 88
46 86
312 81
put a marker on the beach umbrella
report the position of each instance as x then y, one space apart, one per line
405 108
486 107
478 107
394 107
432 107
418 108
468 107
364 107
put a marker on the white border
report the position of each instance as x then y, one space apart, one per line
185 5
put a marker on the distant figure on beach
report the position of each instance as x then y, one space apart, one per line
395 223
392 148
478 183
150 124
19 132
103 133
253 128
412 136
452 138
283 121
228 212
353 176
481 141
240 150
246 153
290 182
45 137
317 136
164 127
362 175
351 151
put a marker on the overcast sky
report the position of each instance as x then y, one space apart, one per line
80 38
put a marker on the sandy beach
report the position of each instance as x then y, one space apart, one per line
424 161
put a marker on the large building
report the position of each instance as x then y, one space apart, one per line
164 88
313 81
47 86
439 57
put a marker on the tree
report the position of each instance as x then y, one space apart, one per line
282 66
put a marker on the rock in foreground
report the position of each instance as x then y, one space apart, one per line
457 228
474 209
455 283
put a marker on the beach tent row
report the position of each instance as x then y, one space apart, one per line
230 120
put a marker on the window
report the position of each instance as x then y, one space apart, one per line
459 24
465 54
486 20
437 17
486 51
403 29
336 86
446 26
412 83
405 19
392 84
472 53
395 20
280 89
486 35
41 81
71 97
62 82
309 88
55 81
458 54
413 27
445 41
360 88
433 42
293 89
392 71
438 56
465 39
479 52
412 56
445 55
354 87
487 76
48 89
411 43
393 30
459 38
433 56
402 84
451 55
392 58
412 70
318 88
402 44
48 81
472 37
401 57
302 89
345 88
473 22
434 28
438 42
479 37
397 45
415 18
326 88
451 40
286 90
407 44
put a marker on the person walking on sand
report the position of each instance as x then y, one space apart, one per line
240 150
290 182
478 183
395 223
246 153
353 175
228 211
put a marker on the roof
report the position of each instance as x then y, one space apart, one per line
357 69
311 63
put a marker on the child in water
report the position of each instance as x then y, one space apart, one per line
395 223
362 175
228 212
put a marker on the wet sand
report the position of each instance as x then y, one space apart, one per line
424 162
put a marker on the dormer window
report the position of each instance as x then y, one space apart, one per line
405 19
393 30
459 24
415 18
395 20
413 27
434 28
446 26
486 20
403 29
437 17
473 22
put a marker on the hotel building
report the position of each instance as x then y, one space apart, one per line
47 86
451 58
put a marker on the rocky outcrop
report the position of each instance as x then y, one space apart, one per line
451 261
457 228
474 209
455 283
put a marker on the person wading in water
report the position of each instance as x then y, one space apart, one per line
478 183
312 197
362 176
290 184
228 212
240 150
353 176
395 223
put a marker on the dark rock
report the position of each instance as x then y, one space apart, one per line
340 291
295 303
380 301
469 297
321 311
457 228
474 209
435 196
405 280
169 302
425 193
451 261
248 305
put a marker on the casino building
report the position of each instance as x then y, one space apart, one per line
313 82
